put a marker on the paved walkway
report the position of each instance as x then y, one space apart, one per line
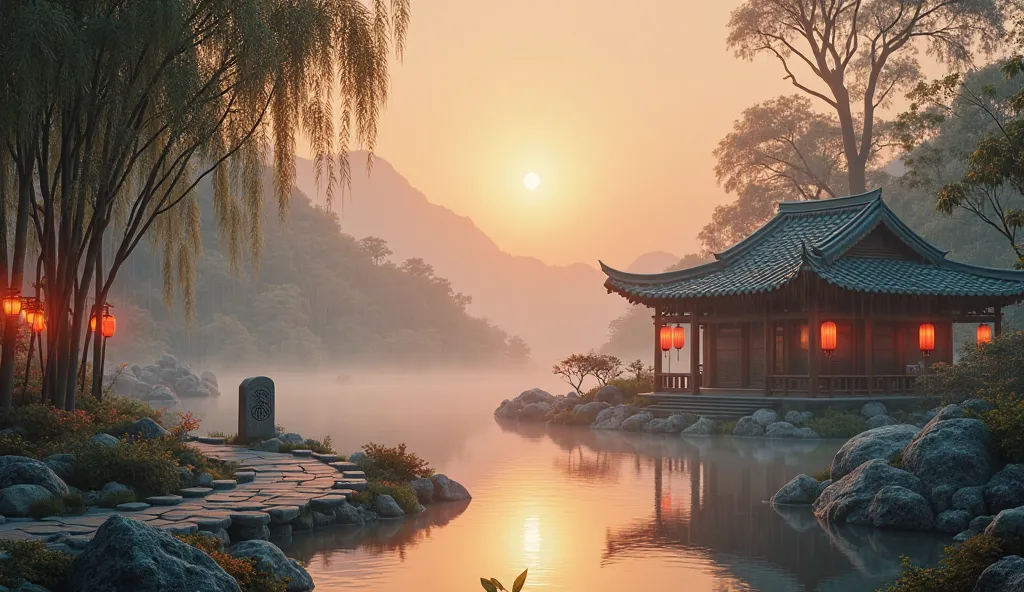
268 485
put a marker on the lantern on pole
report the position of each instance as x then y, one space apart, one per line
38 321
984 334
828 338
665 339
12 303
926 338
678 339
108 323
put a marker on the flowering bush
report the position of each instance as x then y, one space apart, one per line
394 464
243 569
186 422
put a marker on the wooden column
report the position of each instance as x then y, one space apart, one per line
869 350
657 348
998 321
813 349
745 355
708 345
694 353
769 350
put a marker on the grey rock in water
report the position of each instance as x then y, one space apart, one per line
612 418
956 452
781 429
1005 575
970 500
879 421
764 417
900 508
952 521
802 490
21 470
271 560
387 507
941 498
129 555
848 499
1008 525
587 413
702 427
424 489
508 410
16 501
535 411
746 426
1006 489
210 377
449 490
672 424
798 418
609 394
873 408
636 422
881 443
145 428
167 361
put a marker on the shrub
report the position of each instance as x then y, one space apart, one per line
147 466
186 422
31 562
229 438
402 493
958 571
725 428
15 446
116 498
194 461
70 503
324 446
243 569
394 464
824 474
1005 423
838 425
994 368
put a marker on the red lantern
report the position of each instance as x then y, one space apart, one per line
38 321
678 337
12 303
108 325
92 323
29 316
665 337
984 334
805 337
828 337
926 338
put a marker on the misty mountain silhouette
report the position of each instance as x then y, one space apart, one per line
558 310
653 262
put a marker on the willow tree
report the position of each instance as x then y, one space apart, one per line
149 99
853 55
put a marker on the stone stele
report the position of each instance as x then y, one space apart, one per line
256 409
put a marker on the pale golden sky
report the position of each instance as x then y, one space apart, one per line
615 105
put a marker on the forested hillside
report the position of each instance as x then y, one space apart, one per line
317 298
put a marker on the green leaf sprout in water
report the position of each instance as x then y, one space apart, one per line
493 585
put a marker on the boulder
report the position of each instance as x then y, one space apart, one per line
848 499
16 431
746 426
952 521
448 490
612 418
971 500
941 498
16 501
920 418
880 443
271 445
764 417
672 424
160 394
956 452
292 438
702 427
587 413
124 385
424 489
880 420
270 559
1005 575
387 507
63 465
900 508
781 429
204 480
1008 525
136 370
144 428
802 490
873 408
105 440
129 555
805 433
167 361
508 410
1006 489
21 470
976 406
534 395
798 418
636 422
609 394
114 488
823 486
148 377
209 377
535 411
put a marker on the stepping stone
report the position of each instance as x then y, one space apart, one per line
195 491
132 506
345 466
326 503
181 528
283 514
245 477
209 440
353 484
250 519
327 458
353 475
302 452
341 491
211 521
164 500
222 484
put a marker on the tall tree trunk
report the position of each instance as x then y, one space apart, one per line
10 332
856 177
97 351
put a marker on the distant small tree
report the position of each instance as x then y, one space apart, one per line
376 248
637 369
575 369
605 368
517 349
417 267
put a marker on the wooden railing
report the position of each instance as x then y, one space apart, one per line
674 383
839 384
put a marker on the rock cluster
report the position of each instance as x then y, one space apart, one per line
162 383
25 481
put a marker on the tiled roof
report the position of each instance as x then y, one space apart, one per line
814 236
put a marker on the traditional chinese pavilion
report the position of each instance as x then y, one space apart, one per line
832 297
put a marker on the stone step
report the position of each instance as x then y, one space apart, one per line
302 453
345 466
327 457
245 476
222 484
353 484
340 490
132 506
164 500
209 440
353 474
181 528
195 491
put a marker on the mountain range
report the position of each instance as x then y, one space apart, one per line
556 309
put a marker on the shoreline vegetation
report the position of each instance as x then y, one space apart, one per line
93 465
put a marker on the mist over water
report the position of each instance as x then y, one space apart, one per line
582 509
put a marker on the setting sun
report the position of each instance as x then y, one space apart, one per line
531 181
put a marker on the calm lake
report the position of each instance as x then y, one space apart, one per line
583 510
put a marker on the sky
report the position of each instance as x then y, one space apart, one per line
616 106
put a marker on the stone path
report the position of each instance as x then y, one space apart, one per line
270 488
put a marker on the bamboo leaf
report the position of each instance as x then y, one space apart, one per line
520 581
488 585
497 584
